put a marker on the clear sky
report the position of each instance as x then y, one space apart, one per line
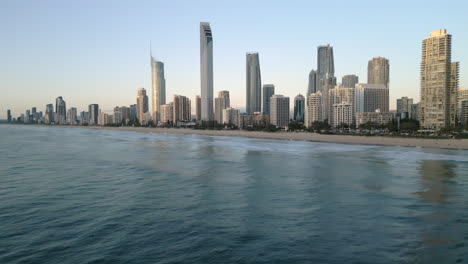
98 51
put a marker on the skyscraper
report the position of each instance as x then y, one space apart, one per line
142 104
221 102
198 108
93 112
60 110
133 112
328 82
343 113
349 81
299 107
378 71
312 88
167 113
253 84
454 81
268 91
158 87
279 111
182 109
206 71
9 115
462 96
325 65
231 116
436 67
72 116
339 95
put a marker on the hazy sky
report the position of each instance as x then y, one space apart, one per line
98 51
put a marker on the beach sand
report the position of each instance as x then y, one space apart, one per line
305 136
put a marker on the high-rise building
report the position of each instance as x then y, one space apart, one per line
374 117
349 81
72 116
414 113
371 97
279 111
182 109
314 109
167 113
378 71
462 96
117 116
93 111
198 108
454 81
268 92
436 75
49 114
221 102
34 113
133 112
312 87
206 71
464 113
158 87
231 116
84 118
299 108
338 95
125 112
28 117
253 84
328 83
404 107
325 65
60 110
343 113
9 115
142 104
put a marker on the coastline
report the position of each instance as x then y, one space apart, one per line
461 144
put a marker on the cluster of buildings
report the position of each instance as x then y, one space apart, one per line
350 103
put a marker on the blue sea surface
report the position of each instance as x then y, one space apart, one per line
71 195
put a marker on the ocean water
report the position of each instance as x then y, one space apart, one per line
99 196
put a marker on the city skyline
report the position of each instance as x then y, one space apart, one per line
38 91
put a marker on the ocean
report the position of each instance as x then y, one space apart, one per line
70 195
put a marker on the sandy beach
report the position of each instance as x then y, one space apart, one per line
305 136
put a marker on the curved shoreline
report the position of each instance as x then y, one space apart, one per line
461 144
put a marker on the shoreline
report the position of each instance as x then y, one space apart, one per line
461 144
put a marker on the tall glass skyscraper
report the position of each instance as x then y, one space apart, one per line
253 84
206 71
312 88
299 107
268 92
325 64
378 71
158 87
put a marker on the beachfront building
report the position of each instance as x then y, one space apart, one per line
462 96
312 87
404 107
167 113
343 113
182 109
221 102
268 92
60 116
438 96
158 86
254 120
206 72
299 108
339 95
231 116
325 67
279 111
314 109
370 97
464 113
374 117
93 110
197 108
253 84
142 104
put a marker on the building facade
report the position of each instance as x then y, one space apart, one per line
312 87
93 110
60 116
374 117
167 113
404 107
349 81
343 114
206 71
198 108
371 97
325 65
